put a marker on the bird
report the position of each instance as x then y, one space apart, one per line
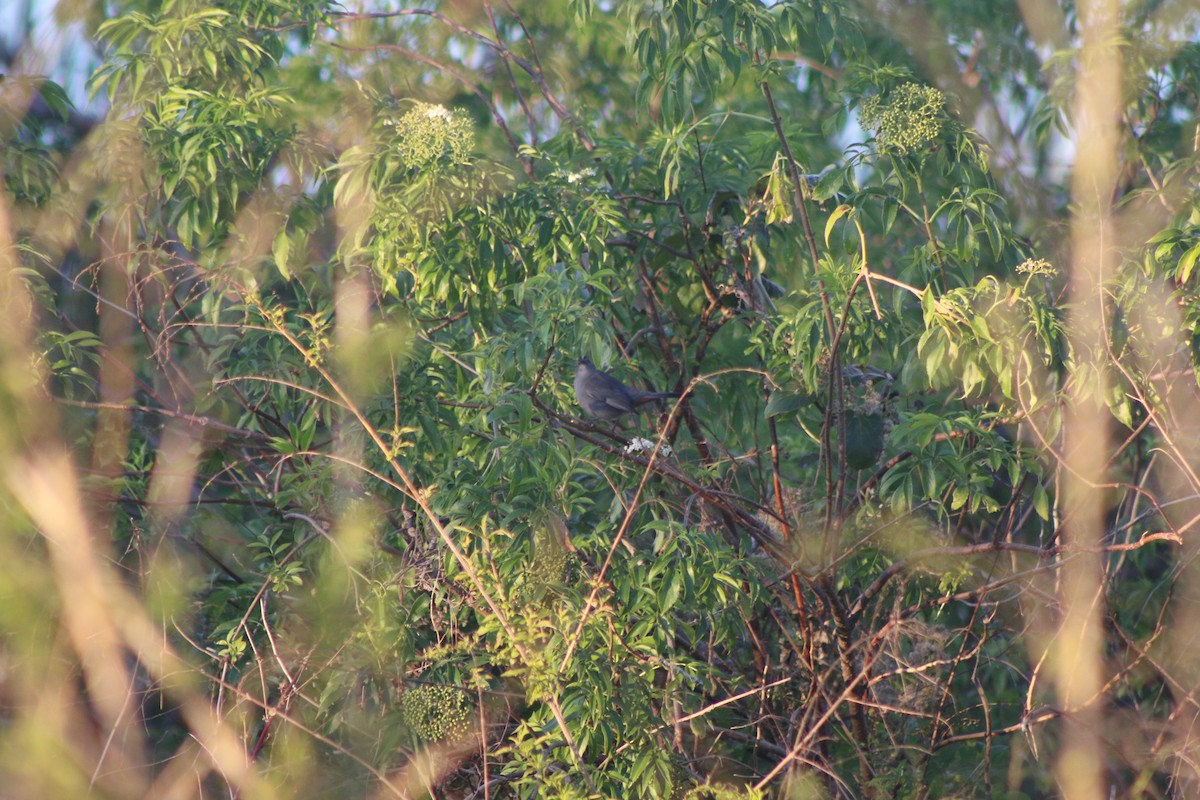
604 397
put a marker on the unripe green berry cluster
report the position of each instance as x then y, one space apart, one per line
436 713
907 119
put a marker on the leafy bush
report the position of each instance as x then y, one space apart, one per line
298 501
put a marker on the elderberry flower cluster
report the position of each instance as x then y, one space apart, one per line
430 135
1036 266
639 445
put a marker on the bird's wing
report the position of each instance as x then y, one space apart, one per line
611 392
617 400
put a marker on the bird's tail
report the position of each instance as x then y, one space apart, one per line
651 396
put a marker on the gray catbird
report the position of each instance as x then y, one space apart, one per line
601 395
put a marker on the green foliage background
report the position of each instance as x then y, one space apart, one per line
298 501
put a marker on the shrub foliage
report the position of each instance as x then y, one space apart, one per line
298 501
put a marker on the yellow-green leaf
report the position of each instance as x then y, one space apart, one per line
1187 262
837 214
280 250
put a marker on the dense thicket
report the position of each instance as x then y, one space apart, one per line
298 501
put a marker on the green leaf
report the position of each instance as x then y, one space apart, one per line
1187 262
1041 502
670 593
280 251
786 403
959 497
922 427
980 327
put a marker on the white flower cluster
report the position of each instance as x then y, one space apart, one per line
1036 266
431 136
638 445
576 177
